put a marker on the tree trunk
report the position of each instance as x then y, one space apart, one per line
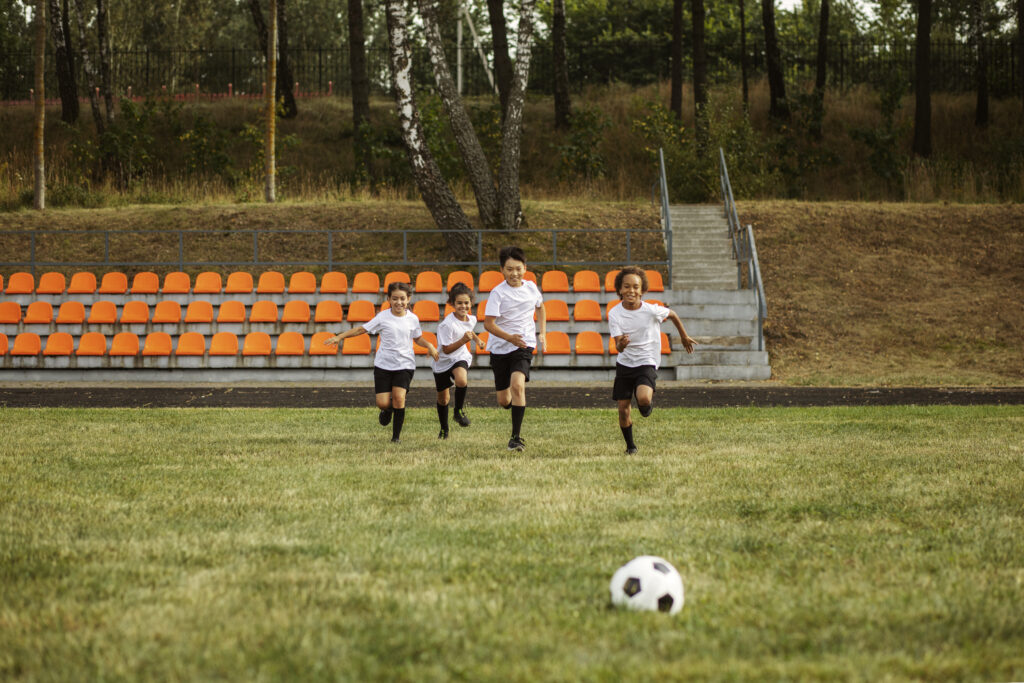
39 162
981 115
743 57
700 76
923 80
779 107
270 113
502 62
510 215
1020 48
103 36
477 168
563 105
821 72
676 88
283 73
438 197
90 71
360 91
64 63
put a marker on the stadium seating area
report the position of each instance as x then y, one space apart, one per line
267 321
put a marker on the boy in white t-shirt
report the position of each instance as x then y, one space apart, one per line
635 328
394 362
453 361
508 318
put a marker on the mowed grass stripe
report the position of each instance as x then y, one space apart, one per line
279 544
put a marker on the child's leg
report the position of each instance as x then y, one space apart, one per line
461 379
398 408
626 423
442 412
644 399
517 390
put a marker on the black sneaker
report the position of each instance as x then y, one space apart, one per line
384 418
516 444
631 450
461 419
645 410
396 440
443 434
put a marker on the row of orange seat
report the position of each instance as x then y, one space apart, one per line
198 312
273 282
259 344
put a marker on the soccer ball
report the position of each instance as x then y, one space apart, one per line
648 583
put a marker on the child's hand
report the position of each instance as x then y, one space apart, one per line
432 350
517 341
542 341
622 342
688 343
331 341
481 343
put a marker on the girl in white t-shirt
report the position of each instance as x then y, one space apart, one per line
635 329
394 362
454 359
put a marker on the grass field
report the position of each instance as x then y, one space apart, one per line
288 544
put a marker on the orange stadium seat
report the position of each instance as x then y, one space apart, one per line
38 313
124 344
554 281
659 302
428 282
586 310
290 344
103 313
135 312
145 283
480 308
366 283
239 283
1 283
356 346
167 313
199 312
231 312
586 281
589 344
92 344
489 279
224 344
655 283
666 344
557 343
59 344
426 311
157 344
263 312
10 312
208 282
26 344
531 276
318 348
51 283
3 340
113 283
609 280
177 283
334 283
328 312
302 282
70 313
295 312
82 283
427 337
612 350
556 310
270 282
396 276
611 304
256 344
361 311
448 308
385 306
191 344
463 276
21 283
484 336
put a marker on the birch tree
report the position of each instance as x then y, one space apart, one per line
39 200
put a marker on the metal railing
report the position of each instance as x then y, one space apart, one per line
666 216
745 251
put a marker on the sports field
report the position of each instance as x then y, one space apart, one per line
289 544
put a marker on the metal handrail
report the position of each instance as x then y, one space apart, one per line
666 216
745 250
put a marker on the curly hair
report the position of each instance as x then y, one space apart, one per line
632 270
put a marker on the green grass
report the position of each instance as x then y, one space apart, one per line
845 543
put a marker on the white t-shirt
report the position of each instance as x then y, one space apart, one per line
513 308
396 335
449 331
644 329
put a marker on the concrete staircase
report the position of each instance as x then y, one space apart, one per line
719 315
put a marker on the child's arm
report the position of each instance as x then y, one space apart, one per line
336 339
687 341
542 327
621 342
493 328
464 339
427 345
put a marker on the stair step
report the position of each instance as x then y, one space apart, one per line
723 357
723 372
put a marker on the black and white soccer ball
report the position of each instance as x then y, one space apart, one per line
648 583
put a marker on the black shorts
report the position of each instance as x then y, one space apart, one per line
627 379
385 380
446 379
504 364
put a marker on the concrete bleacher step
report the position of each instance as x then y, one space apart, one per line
723 372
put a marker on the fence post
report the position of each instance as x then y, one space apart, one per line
330 250
181 250
32 255
106 247
255 247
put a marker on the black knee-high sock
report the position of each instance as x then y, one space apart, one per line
396 422
517 419
627 434
460 398
442 415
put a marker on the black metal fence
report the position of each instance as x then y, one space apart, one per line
634 60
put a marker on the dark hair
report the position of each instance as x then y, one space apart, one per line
404 286
632 270
457 289
512 252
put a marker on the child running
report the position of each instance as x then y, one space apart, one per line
394 362
454 359
635 328
508 317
